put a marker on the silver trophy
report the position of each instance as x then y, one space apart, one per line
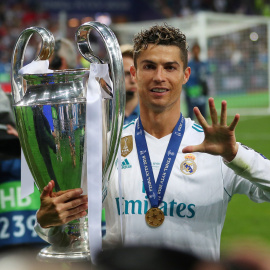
50 111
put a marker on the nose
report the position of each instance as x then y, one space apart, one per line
159 75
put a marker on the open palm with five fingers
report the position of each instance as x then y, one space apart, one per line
219 137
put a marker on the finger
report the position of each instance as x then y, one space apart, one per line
61 192
47 190
74 211
200 118
223 116
84 198
11 130
74 203
52 184
69 196
213 111
77 216
234 122
193 148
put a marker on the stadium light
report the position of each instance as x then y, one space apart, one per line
254 36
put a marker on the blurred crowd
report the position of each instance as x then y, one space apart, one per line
13 19
171 8
238 63
18 15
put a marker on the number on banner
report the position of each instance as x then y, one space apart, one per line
16 226
19 224
3 233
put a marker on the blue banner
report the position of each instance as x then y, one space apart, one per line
18 228
17 215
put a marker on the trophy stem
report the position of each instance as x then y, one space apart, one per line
71 244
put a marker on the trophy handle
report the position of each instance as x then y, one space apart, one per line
45 52
117 74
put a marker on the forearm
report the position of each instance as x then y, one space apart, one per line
252 166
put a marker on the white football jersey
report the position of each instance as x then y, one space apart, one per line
196 198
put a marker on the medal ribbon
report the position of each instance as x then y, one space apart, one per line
156 191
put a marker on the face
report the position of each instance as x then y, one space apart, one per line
129 81
160 75
196 51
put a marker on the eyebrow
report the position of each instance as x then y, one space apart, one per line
154 63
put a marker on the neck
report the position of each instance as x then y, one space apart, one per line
131 105
159 124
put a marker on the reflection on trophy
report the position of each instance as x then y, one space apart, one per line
51 119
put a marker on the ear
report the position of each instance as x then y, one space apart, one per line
186 74
133 72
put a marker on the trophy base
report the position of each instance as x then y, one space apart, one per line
70 243
47 254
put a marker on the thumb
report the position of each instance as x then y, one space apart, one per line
47 190
192 148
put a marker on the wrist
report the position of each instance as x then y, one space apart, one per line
230 156
40 220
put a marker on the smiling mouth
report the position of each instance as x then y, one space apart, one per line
159 90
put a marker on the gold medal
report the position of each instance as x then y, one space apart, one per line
154 217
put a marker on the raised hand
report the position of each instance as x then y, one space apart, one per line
58 208
219 137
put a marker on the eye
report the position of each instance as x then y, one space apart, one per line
149 66
170 68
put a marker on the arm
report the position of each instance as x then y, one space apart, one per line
252 176
246 163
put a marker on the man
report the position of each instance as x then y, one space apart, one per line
198 168
196 88
132 110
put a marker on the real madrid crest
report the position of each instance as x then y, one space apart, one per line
126 145
188 166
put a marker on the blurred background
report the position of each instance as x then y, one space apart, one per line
234 37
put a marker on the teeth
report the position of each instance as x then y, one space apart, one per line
158 90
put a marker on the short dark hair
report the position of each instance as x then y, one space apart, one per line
161 35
